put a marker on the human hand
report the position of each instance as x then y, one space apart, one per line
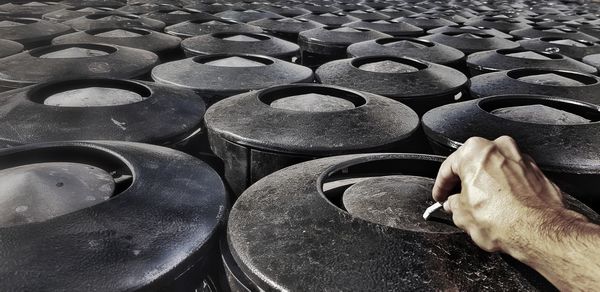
503 193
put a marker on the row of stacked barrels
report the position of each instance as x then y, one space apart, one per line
227 145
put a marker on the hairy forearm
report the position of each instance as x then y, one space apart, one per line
563 246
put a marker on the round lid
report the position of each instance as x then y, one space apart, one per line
8 48
312 119
224 75
298 228
284 10
471 42
100 203
239 43
396 12
138 38
568 84
286 25
314 6
174 15
561 32
593 60
95 3
391 27
560 134
71 13
111 109
332 40
32 9
365 13
426 22
30 31
113 19
211 7
470 29
202 27
395 77
71 61
143 8
506 59
503 24
333 19
576 49
410 47
245 15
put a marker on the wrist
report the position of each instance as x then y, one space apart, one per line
538 231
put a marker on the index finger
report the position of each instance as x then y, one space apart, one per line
447 178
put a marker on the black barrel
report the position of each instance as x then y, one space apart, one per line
91 216
201 27
259 132
30 32
354 223
113 20
240 43
576 49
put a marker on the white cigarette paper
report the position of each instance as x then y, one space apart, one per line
432 209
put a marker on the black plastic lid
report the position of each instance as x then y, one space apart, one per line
72 13
143 8
95 3
113 20
239 43
410 47
72 61
211 8
8 48
303 221
470 43
576 49
391 27
396 12
335 40
144 236
138 38
311 119
560 32
560 134
30 32
100 109
174 16
593 60
426 22
245 15
286 26
28 10
285 10
506 59
364 13
201 27
502 24
568 84
223 75
470 29
333 19
419 84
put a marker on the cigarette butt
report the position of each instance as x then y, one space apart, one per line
432 209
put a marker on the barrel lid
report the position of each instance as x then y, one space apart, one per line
202 27
113 19
560 134
568 84
113 109
327 40
71 61
505 59
239 43
138 38
312 119
391 27
30 31
223 75
134 233
315 219
418 48
471 42
8 48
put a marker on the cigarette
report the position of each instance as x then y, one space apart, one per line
432 209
